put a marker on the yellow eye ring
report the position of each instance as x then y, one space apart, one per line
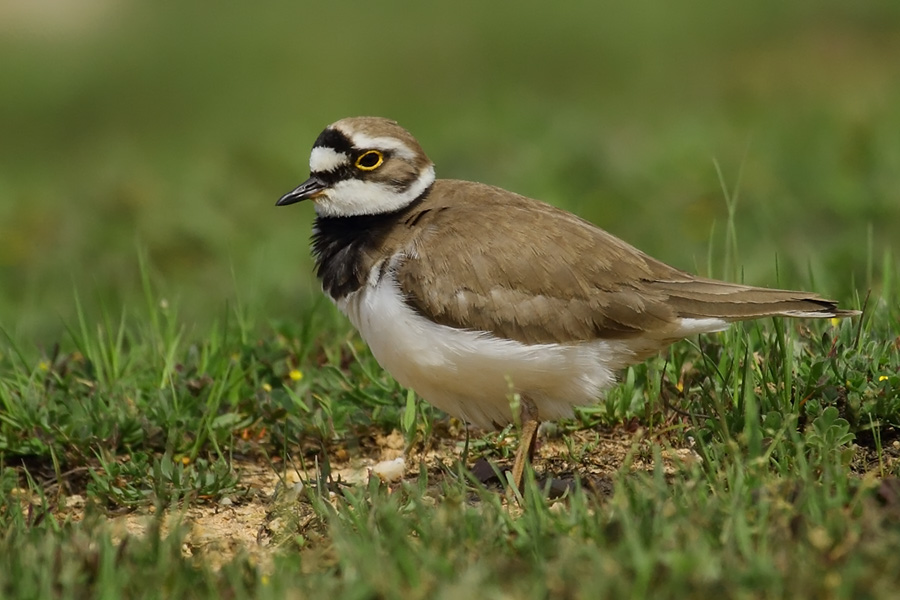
369 160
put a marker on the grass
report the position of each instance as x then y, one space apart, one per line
790 498
167 363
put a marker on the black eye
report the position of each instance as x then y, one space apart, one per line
369 160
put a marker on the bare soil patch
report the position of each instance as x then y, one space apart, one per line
253 520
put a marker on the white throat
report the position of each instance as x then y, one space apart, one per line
353 197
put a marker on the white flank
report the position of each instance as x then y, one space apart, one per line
689 327
471 374
323 159
353 197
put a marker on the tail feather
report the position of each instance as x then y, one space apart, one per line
705 298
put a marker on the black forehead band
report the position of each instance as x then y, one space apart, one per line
334 139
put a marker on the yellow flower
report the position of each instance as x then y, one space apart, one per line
44 365
295 375
883 378
266 387
835 321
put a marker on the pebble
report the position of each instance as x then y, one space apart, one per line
390 471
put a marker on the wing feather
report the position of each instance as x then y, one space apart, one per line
489 260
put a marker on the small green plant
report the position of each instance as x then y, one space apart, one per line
830 435
144 480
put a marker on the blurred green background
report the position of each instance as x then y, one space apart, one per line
172 130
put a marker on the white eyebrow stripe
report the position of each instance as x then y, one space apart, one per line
323 158
365 142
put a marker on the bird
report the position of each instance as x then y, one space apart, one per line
473 295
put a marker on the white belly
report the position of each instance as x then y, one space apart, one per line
471 374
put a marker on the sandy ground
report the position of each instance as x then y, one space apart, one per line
270 508
252 520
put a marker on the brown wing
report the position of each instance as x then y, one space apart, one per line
525 271
703 298
490 260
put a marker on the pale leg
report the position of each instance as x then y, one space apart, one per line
527 441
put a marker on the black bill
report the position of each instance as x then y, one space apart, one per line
304 191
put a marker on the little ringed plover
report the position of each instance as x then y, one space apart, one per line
467 293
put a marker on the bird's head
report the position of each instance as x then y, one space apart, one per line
363 166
